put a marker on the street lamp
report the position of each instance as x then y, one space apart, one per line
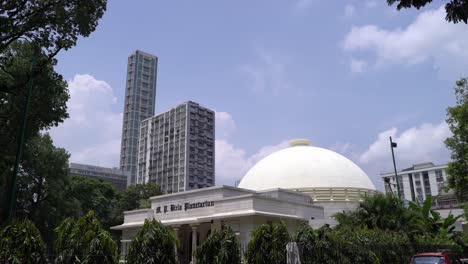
19 151
394 145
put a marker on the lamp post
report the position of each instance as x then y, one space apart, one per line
19 150
394 145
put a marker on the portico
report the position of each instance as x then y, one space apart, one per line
193 215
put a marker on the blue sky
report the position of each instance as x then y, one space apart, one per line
345 74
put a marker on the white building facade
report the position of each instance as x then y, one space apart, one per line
420 181
193 215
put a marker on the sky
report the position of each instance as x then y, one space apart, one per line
344 74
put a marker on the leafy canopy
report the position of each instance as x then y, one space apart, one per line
457 120
47 106
457 10
21 243
268 244
94 195
84 241
154 243
387 212
220 247
42 183
52 24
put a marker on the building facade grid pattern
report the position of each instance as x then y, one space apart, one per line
140 96
419 182
176 149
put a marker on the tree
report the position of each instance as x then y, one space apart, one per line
84 241
94 194
220 247
47 106
52 25
381 211
433 223
42 183
268 244
154 243
457 120
21 243
135 197
457 10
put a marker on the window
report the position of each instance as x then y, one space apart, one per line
439 176
427 185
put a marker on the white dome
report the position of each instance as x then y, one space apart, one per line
305 167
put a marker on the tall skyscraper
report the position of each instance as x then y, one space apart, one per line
140 96
176 149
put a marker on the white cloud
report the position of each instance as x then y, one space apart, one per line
415 145
357 66
230 162
268 75
429 38
92 133
233 162
349 11
225 124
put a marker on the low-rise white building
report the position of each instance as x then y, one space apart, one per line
194 214
420 181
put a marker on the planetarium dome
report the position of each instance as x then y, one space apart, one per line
323 174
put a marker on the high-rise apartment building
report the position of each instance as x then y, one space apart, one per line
140 96
420 181
176 149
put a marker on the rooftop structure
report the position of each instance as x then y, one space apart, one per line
115 176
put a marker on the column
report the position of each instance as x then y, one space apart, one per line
176 231
194 241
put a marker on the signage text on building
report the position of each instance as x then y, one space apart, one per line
186 206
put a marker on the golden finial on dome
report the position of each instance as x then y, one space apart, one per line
299 142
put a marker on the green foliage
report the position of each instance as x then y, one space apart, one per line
42 182
94 195
219 248
135 197
47 105
367 246
84 241
21 243
154 243
431 221
457 120
385 212
268 244
53 24
457 10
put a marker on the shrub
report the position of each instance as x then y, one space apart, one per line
220 247
154 243
84 241
21 243
268 244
